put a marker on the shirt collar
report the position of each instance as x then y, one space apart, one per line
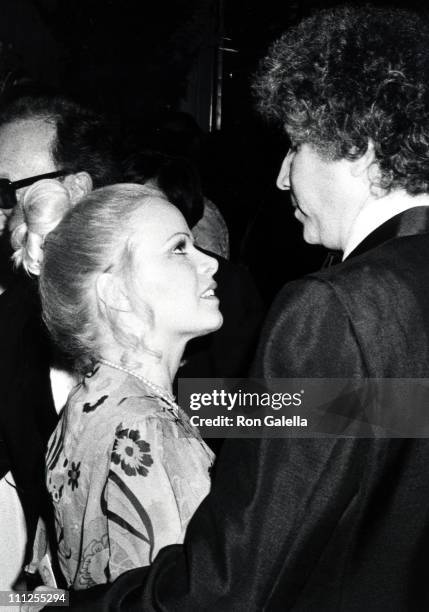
376 212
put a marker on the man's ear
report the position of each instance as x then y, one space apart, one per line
365 164
78 185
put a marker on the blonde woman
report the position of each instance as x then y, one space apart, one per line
123 289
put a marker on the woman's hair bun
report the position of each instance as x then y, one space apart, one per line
43 206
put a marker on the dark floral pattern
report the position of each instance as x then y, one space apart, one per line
92 372
55 486
112 498
88 407
73 475
94 562
131 453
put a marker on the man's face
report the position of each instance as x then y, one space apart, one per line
25 151
324 194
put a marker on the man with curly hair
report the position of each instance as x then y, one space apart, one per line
342 524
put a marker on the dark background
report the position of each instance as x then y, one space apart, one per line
139 60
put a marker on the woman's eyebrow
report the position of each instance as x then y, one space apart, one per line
178 234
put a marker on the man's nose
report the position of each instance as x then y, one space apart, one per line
283 181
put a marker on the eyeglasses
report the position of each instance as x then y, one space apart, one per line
8 188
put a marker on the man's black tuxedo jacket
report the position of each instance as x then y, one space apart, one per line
27 413
316 525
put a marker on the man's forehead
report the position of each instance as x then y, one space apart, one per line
25 148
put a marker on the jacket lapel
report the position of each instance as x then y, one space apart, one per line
408 223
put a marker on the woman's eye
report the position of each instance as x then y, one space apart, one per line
180 248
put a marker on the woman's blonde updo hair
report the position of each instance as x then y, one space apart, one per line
43 206
96 236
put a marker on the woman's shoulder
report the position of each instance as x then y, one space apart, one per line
106 407
104 402
105 394
97 421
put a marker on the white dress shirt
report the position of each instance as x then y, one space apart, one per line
378 211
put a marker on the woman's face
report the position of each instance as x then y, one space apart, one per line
170 277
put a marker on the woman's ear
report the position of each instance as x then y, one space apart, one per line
78 185
116 312
111 294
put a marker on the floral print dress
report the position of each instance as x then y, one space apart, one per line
125 476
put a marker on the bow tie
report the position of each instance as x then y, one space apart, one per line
332 258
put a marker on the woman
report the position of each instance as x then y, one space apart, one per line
123 289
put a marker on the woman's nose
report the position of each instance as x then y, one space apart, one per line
283 181
208 264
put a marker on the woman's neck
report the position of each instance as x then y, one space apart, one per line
159 368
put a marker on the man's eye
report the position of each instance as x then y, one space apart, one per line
180 248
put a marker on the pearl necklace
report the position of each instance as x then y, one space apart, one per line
159 391
169 399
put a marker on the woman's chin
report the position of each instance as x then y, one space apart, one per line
219 322
216 323
211 325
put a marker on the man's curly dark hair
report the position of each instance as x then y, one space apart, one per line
347 76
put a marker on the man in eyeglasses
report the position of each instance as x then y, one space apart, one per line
40 137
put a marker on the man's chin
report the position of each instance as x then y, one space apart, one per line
316 240
310 237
